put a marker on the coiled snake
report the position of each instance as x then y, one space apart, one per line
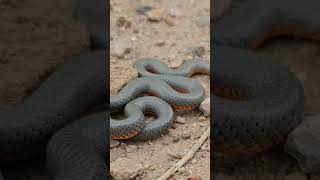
256 101
157 79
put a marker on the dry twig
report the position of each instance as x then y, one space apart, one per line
187 157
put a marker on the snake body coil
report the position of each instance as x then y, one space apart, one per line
179 92
272 107
73 88
79 150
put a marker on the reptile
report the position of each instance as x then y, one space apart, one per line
93 14
76 86
78 151
256 101
73 88
253 22
172 86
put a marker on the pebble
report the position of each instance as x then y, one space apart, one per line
155 15
123 22
114 143
124 169
180 120
175 138
202 119
182 170
121 49
142 9
193 161
194 178
175 63
197 51
175 155
186 135
203 21
169 20
303 143
176 13
205 107
160 42
146 166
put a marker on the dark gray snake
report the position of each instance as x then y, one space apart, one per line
79 151
253 22
256 101
76 86
157 79
71 90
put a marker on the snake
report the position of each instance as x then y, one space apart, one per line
73 88
79 150
172 89
76 86
257 102
253 22
93 14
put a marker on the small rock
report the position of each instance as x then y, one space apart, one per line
193 161
169 20
295 176
146 166
186 135
175 63
176 13
205 107
203 21
114 143
121 49
180 120
203 148
202 119
197 51
123 22
155 15
136 31
142 9
303 143
175 138
124 169
194 178
182 170
175 155
160 43
174 126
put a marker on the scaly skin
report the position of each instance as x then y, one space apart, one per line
253 22
272 107
168 84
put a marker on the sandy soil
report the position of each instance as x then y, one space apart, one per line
167 39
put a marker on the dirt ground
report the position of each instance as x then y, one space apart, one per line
177 26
